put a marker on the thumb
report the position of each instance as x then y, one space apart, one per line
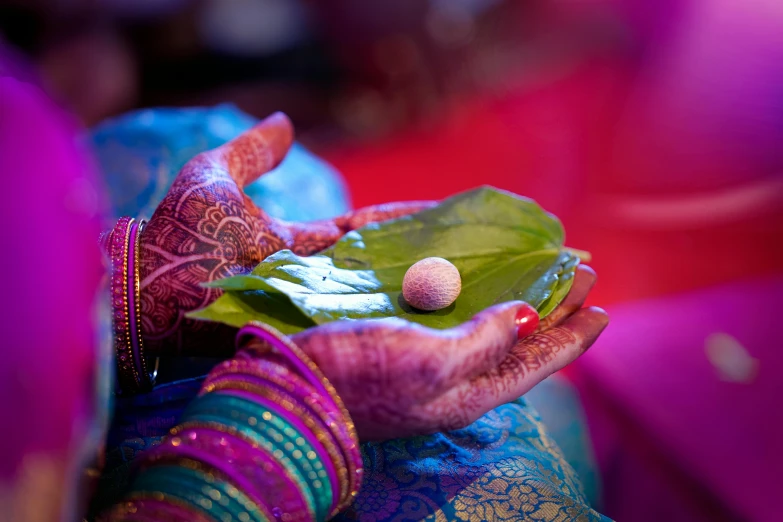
528 363
482 343
258 150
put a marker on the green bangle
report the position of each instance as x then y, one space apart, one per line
285 435
218 499
229 496
264 420
169 479
316 421
268 445
157 482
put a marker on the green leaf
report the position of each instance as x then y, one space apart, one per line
238 308
505 247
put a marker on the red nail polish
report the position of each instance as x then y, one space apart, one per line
526 321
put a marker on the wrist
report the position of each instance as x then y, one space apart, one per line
268 429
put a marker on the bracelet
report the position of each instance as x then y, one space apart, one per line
267 379
147 379
268 438
323 428
292 394
218 473
142 506
239 425
307 444
279 483
310 371
268 423
280 492
122 245
201 489
120 237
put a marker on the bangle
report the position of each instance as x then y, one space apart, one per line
268 438
276 482
142 506
146 379
307 444
120 237
122 245
147 485
268 379
262 377
268 423
201 489
279 492
217 472
310 371
239 424
322 427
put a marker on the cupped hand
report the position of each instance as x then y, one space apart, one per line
206 228
400 379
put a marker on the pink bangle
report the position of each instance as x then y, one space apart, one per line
311 373
280 384
238 460
145 378
307 434
122 244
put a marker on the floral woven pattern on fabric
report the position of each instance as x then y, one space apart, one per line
504 466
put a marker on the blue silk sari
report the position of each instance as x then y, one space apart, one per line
512 464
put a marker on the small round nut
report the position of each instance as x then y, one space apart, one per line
431 284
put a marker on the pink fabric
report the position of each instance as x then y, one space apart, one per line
676 441
49 275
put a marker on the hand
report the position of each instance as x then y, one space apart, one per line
399 379
206 228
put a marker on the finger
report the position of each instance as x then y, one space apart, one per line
355 355
310 238
474 347
363 216
397 356
258 150
584 280
306 239
529 362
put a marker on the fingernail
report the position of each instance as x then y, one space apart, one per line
277 116
526 321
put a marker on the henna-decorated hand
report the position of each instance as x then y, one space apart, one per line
400 379
206 228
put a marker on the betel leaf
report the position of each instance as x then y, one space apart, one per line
505 247
238 308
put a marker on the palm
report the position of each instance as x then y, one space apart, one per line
400 379
206 228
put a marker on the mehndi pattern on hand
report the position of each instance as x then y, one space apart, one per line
207 228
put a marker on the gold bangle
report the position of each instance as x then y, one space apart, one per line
124 246
148 377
